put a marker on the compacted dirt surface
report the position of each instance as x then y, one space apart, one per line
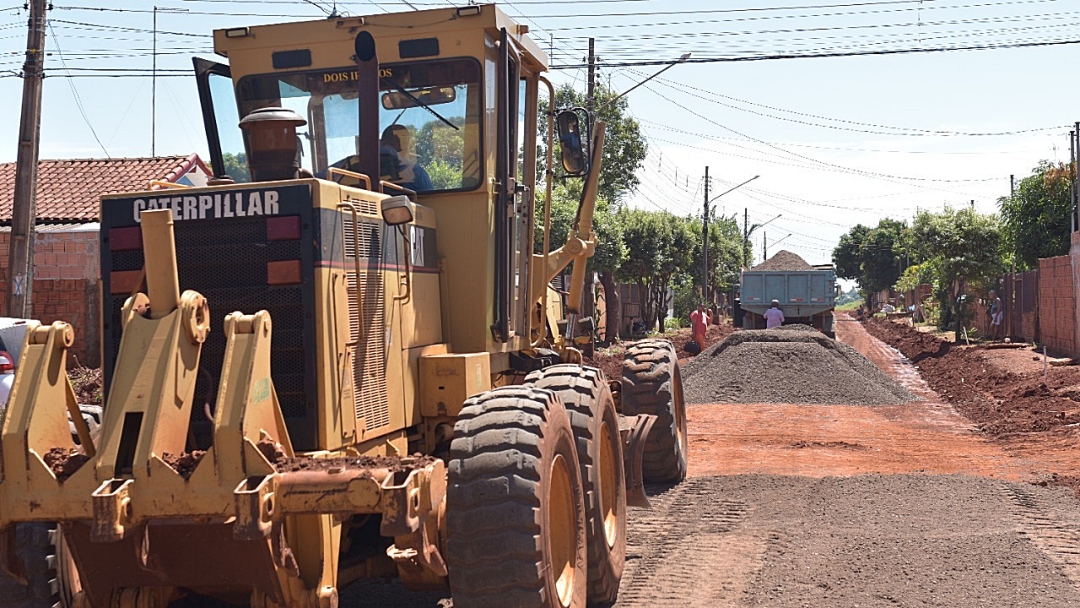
918 503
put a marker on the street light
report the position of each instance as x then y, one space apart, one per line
705 223
747 231
765 247
733 188
627 91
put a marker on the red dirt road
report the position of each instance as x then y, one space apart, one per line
926 436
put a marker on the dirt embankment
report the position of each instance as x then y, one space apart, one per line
1004 397
796 364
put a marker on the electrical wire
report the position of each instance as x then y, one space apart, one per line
75 92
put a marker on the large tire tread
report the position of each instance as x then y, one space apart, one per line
582 390
36 550
651 384
495 545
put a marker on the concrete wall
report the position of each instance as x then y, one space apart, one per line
67 276
1057 304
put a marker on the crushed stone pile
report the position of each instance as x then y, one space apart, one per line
784 261
796 364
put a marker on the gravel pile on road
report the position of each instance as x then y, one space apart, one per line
794 365
784 261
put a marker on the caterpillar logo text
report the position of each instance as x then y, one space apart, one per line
212 206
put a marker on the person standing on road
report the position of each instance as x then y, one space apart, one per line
774 317
700 320
997 313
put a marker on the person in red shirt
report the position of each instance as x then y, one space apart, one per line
699 325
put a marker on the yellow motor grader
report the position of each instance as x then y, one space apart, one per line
341 358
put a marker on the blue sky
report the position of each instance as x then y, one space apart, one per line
836 140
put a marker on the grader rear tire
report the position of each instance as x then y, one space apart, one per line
515 513
652 384
585 393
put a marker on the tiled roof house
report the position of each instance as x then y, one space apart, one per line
66 252
69 191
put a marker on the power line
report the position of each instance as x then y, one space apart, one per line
888 130
833 55
75 92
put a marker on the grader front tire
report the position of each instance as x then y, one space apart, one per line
651 384
585 393
515 515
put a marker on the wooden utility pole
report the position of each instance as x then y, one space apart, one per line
590 102
21 246
705 243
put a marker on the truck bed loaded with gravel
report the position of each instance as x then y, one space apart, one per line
804 292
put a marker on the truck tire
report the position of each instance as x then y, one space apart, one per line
47 586
652 384
515 511
748 320
585 394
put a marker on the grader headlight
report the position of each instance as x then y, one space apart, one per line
398 210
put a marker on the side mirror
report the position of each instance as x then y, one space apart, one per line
575 159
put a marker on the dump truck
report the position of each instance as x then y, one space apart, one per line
340 359
807 294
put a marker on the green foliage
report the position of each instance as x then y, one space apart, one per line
236 167
964 249
915 275
725 252
444 175
1037 217
660 248
850 304
624 147
871 255
685 300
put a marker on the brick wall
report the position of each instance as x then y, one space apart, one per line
66 285
1057 305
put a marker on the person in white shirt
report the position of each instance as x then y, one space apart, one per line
774 317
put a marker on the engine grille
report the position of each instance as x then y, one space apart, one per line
367 323
226 262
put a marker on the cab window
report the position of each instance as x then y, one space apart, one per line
429 120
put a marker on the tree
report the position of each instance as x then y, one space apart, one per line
871 255
659 248
236 167
964 247
624 151
1037 217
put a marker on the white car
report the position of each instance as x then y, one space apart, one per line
12 335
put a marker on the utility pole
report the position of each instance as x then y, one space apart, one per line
590 103
21 246
1012 185
1072 177
153 92
745 237
1076 177
705 243
764 245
